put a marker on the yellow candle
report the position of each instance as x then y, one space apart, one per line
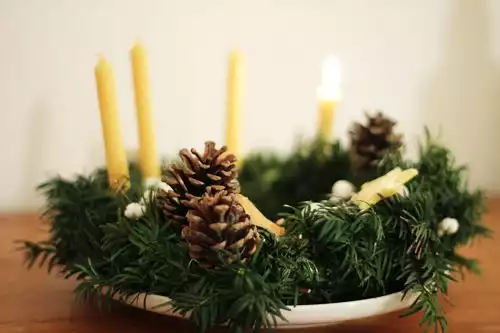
234 99
326 110
328 97
116 160
148 156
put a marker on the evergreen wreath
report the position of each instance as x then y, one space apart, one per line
197 240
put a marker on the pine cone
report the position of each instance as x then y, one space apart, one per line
213 171
370 143
218 227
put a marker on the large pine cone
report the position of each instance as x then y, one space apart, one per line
213 171
371 142
219 228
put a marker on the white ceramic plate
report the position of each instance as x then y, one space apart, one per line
303 315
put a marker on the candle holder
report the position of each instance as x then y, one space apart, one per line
306 239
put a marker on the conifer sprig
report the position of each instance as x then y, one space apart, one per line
331 252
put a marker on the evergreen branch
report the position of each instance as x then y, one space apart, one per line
331 252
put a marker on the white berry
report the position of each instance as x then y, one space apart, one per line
151 182
342 189
153 185
448 226
134 210
156 183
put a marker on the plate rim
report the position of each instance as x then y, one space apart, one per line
296 316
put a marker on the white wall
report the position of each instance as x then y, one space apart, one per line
421 61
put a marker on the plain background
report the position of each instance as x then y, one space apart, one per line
424 62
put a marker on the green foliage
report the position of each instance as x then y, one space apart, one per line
391 247
272 181
332 253
77 209
110 255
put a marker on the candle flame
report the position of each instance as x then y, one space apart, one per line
330 79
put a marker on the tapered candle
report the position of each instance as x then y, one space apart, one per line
148 155
116 160
328 97
234 102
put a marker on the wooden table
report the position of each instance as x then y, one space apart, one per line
33 301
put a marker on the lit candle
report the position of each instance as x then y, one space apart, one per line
148 156
328 96
234 99
116 160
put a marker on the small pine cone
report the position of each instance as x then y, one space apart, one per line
218 227
214 170
371 142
